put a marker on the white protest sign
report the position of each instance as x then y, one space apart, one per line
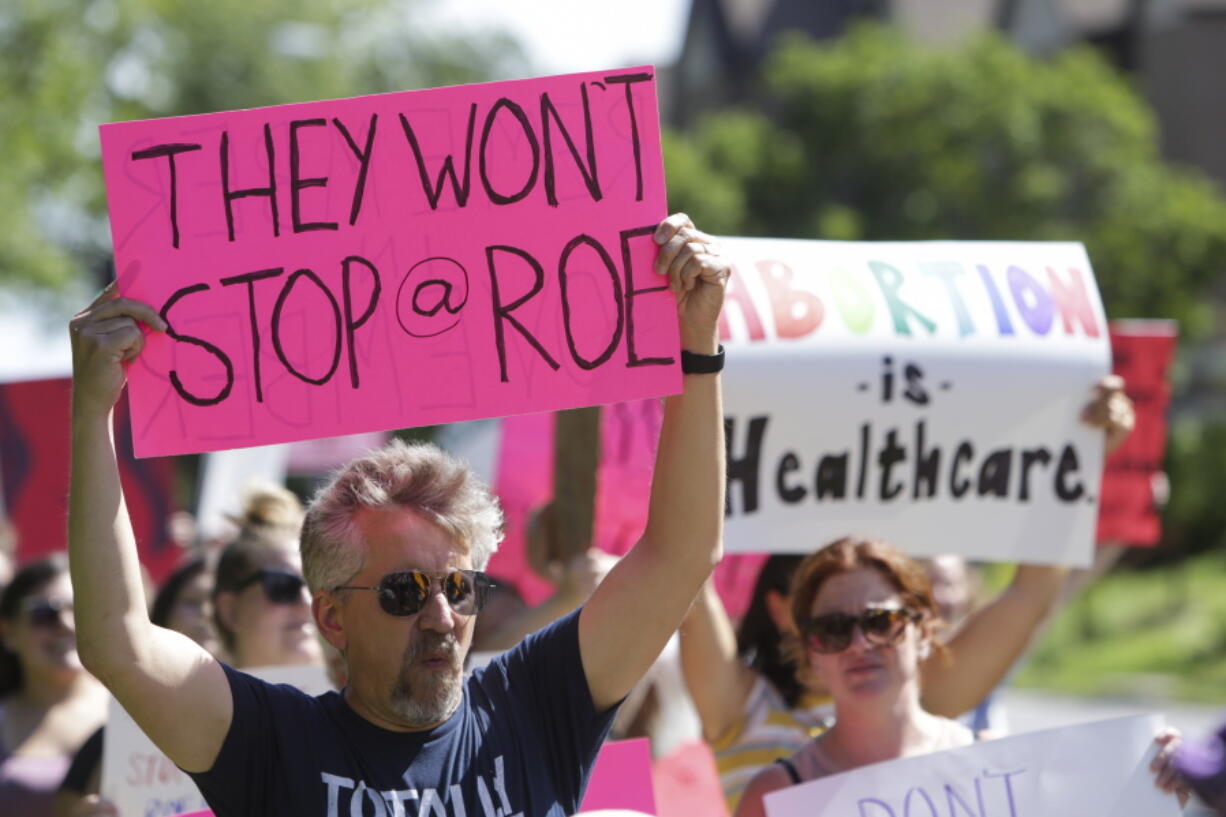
1092 770
925 393
143 782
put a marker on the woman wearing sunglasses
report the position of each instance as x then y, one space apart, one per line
49 704
260 603
753 707
181 604
865 621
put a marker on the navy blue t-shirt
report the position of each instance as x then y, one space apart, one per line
522 742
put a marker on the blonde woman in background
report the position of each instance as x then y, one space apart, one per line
260 603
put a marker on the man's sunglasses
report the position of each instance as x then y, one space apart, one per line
280 586
406 592
882 627
46 612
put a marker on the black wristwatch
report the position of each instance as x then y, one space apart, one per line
693 363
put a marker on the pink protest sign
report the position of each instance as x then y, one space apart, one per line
621 778
396 260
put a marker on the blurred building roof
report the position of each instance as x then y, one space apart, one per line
944 21
1176 49
727 40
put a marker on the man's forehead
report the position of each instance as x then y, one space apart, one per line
402 535
392 520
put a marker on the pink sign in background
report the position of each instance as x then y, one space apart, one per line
628 436
621 778
394 260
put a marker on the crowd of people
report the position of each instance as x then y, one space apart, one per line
851 655
242 599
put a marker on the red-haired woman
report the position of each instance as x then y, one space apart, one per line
866 622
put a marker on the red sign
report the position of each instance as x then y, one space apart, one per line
34 458
1128 512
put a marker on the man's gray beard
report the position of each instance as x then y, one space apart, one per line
436 695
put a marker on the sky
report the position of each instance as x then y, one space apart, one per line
569 36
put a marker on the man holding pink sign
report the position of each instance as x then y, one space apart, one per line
392 550
381 262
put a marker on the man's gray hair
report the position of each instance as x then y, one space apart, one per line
418 477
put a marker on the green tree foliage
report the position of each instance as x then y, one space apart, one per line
67 66
872 137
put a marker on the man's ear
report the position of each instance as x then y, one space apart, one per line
330 619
